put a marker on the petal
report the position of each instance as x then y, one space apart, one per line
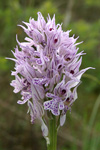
44 128
41 21
22 102
62 119
26 98
72 83
79 74
37 90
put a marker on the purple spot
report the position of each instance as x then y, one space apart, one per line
45 104
55 40
51 29
30 33
25 81
63 91
50 102
59 66
72 71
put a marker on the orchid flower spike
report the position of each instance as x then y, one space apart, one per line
47 69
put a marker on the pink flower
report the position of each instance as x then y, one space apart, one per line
47 68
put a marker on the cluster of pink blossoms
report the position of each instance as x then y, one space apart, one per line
47 68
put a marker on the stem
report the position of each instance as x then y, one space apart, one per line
52 134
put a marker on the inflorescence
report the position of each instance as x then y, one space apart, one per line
47 68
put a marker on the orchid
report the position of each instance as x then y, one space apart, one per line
47 73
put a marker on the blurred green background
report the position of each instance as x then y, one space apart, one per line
82 128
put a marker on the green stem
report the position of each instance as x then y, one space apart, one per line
52 134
